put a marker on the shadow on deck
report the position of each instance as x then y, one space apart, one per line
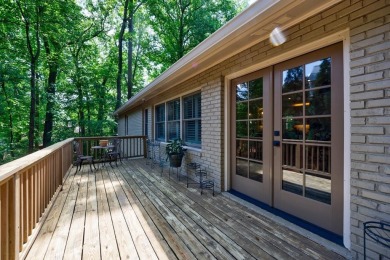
131 212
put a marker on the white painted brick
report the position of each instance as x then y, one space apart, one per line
379 12
358 156
373 139
358 121
367 26
382 178
358 38
384 207
384 188
378 158
358 42
358 139
357 54
337 8
357 104
379 120
365 167
375 196
378 47
367 95
367 77
378 67
367 130
378 103
368 148
357 71
368 8
306 23
361 201
337 24
368 60
383 84
350 9
367 112
378 30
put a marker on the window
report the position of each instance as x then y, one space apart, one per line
192 123
173 122
182 119
160 122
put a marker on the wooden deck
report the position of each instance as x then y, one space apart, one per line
130 212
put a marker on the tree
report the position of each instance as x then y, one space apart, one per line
58 61
130 8
183 24
30 18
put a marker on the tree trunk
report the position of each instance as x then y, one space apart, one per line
50 90
31 128
101 97
81 114
88 105
120 57
37 121
33 63
130 56
10 121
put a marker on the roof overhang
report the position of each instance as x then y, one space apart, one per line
248 28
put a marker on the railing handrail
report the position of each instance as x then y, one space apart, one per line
8 169
108 137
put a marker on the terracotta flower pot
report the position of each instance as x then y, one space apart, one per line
103 143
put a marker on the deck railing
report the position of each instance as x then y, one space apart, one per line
130 146
29 186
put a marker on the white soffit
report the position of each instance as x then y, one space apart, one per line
248 28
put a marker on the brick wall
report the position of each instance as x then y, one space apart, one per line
370 119
212 130
369 23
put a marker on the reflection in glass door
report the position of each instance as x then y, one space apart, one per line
251 99
308 162
306 128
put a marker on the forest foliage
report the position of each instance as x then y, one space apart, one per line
66 65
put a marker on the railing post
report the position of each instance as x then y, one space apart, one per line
145 152
15 244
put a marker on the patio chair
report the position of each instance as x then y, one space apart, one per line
115 152
80 158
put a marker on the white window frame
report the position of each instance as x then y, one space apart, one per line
173 121
198 128
163 105
181 120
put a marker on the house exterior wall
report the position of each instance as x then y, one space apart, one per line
150 120
122 125
368 22
134 122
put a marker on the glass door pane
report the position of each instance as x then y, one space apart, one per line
249 127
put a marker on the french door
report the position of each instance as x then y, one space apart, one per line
251 115
287 137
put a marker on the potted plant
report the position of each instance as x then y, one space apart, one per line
175 153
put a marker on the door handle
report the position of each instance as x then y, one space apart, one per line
277 143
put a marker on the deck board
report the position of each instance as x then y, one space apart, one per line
130 212
91 247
